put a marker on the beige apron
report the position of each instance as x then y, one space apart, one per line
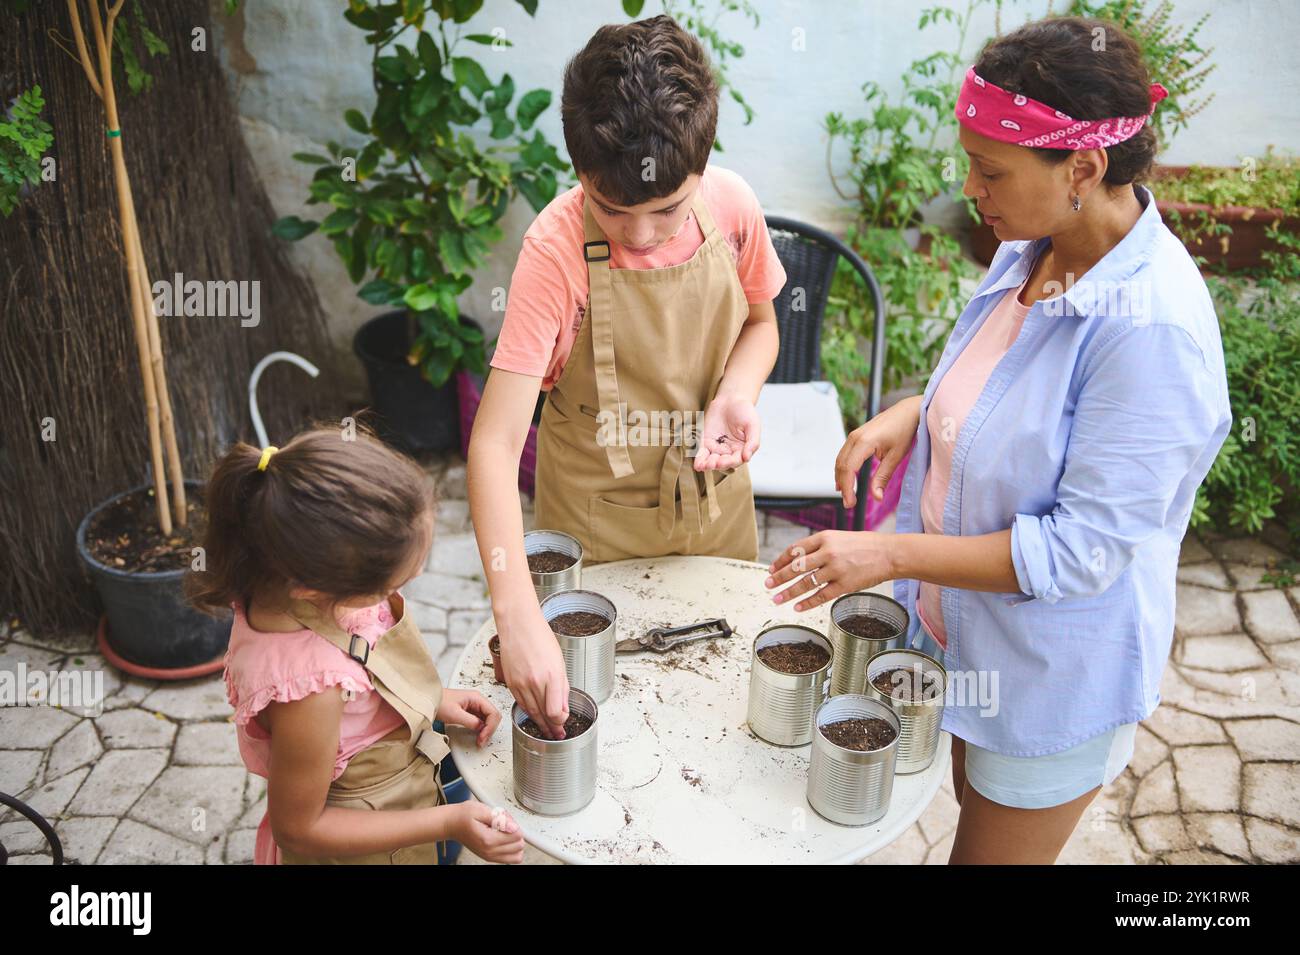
653 343
400 771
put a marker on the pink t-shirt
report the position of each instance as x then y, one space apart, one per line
951 403
548 292
266 667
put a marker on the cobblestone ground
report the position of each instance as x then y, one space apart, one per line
157 776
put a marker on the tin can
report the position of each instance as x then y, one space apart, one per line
919 739
851 651
554 777
851 787
588 661
782 705
535 542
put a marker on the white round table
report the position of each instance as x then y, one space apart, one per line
681 778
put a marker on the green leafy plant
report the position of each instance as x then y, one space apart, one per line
24 138
416 206
901 157
1172 53
1271 182
126 35
1256 477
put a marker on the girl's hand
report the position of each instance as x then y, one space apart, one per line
841 561
887 436
491 834
472 709
534 671
728 434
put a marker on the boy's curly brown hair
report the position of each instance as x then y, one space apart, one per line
636 92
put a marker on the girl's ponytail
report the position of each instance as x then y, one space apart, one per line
227 567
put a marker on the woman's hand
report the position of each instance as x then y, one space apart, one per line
728 434
471 709
888 436
534 671
837 562
491 834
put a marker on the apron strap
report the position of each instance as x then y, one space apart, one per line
596 251
375 661
679 472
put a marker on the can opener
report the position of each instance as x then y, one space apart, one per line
663 639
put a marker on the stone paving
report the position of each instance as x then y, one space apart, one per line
157 778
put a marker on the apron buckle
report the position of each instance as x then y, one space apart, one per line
588 254
352 649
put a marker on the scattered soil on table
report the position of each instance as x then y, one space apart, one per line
862 735
125 535
871 628
906 684
550 562
575 725
579 623
805 657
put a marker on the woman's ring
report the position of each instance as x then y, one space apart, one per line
816 582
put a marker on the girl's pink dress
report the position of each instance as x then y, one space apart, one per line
264 667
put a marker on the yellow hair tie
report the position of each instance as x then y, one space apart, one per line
267 451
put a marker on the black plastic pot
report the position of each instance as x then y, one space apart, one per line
150 626
410 412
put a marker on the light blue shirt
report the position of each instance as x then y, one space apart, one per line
1089 441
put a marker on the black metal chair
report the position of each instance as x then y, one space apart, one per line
810 256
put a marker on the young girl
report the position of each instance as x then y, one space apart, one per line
333 689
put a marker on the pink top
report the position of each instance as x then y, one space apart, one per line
548 291
949 406
263 667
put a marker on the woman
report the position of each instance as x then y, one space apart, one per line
1078 404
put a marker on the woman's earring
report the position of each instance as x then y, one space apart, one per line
1075 204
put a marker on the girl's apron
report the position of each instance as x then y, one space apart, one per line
651 350
400 771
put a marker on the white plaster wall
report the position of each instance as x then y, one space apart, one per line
297 64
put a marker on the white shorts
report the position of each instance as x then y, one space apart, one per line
1037 782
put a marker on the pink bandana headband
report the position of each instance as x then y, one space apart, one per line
1014 118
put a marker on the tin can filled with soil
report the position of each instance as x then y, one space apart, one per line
585 623
554 561
787 682
862 625
852 766
554 777
913 685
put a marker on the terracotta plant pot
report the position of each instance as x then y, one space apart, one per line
494 649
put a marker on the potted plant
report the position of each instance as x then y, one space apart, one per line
416 205
1228 217
138 544
900 160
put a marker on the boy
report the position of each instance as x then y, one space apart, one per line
642 303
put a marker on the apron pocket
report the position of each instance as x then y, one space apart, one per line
619 531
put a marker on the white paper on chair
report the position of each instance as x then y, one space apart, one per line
802 433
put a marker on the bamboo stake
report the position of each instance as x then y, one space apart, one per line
160 374
130 236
